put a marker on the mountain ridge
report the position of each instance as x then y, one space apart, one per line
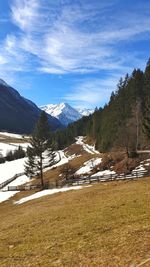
18 114
65 113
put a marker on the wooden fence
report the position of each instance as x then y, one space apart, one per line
107 178
2 185
23 187
82 180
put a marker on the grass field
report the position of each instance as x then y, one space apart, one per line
9 139
106 225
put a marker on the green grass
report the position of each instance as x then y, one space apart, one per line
106 225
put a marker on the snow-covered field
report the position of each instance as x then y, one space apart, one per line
19 181
5 148
10 168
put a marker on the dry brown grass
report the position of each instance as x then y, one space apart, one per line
9 139
75 149
119 162
76 163
53 175
106 225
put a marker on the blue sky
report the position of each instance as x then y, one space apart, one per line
72 51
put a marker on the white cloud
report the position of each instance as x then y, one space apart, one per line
92 92
25 13
74 37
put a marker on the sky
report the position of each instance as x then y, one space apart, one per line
72 51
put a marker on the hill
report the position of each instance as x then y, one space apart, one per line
103 225
18 114
119 125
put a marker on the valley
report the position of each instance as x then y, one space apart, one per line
74 133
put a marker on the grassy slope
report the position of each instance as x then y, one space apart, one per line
53 175
9 139
106 225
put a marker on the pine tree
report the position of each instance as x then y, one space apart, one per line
30 167
146 123
41 150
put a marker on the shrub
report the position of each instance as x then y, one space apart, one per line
2 159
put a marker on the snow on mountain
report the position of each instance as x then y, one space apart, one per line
65 113
85 111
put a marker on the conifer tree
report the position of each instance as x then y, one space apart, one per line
40 151
146 123
30 169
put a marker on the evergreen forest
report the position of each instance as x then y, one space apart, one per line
120 123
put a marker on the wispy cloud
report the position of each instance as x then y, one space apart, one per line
74 37
25 13
68 37
92 92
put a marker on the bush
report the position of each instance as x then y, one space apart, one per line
67 171
9 156
2 159
17 154
133 154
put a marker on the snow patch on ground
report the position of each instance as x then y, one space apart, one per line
6 195
63 159
5 148
88 166
10 168
47 192
86 147
19 181
140 170
102 173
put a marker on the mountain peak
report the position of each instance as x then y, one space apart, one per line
65 113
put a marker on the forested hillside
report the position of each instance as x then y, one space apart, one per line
18 114
120 123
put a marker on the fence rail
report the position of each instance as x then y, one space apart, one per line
82 180
23 187
2 185
108 177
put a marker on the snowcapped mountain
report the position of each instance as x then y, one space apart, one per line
65 113
85 111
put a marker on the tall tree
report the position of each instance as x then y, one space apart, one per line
146 123
40 153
